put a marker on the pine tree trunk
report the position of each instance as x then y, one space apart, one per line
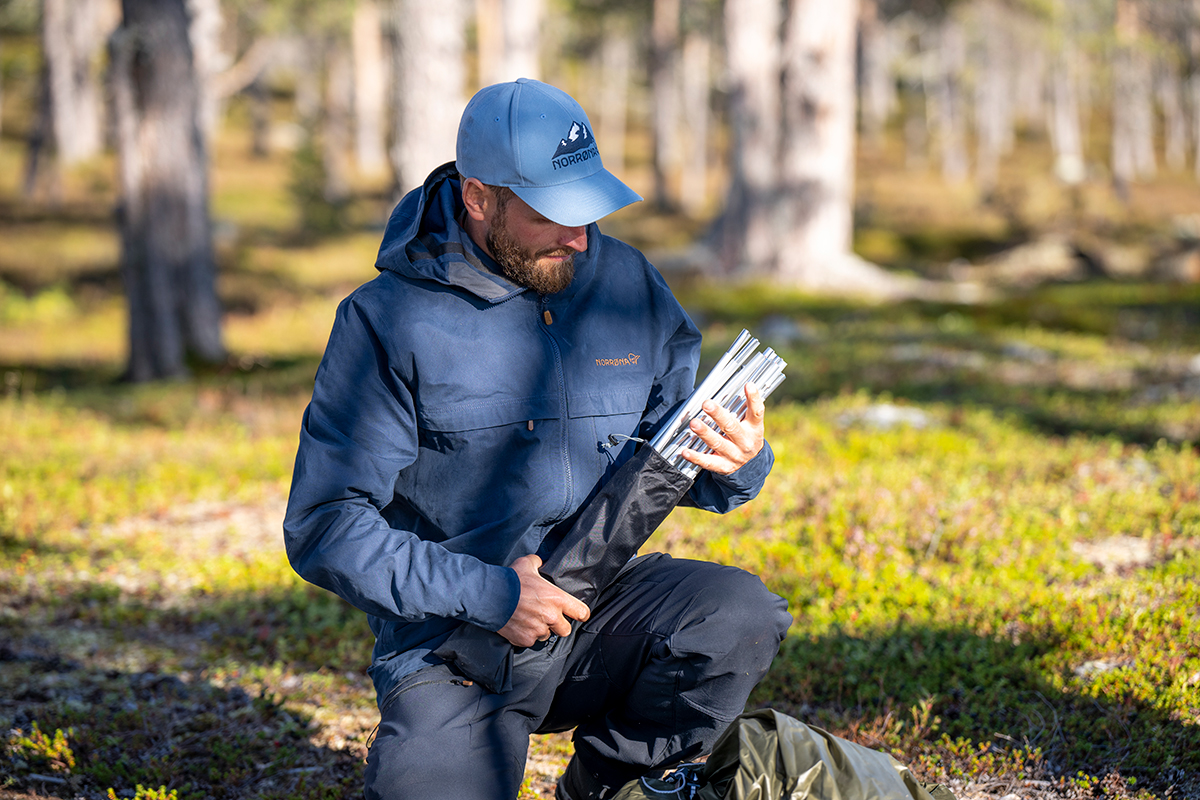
260 118
746 234
370 87
993 100
1132 95
1066 135
522 40
335 127
817 165
616 66
167 259
789 211
489 41
696 84
72 38
428 77
949 106
663 83
1169 90
877 93
209 60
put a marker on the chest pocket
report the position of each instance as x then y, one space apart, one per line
482 414
616 401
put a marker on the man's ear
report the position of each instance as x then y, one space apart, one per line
477 199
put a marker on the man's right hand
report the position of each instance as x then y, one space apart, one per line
542 609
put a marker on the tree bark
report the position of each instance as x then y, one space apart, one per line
72 38
1066 134
1132 113
522 41
335 122
428 76
370 87
818 151
664 51
616 66
948 105
877 92
508 33
696 85
209 60
167 259
1169 90
993 97
746 233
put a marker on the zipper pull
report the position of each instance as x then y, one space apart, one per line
546 316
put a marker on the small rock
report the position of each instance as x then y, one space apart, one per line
885 416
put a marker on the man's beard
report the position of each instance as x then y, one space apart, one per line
520 265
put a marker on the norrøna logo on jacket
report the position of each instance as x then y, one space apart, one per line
576 147
628 361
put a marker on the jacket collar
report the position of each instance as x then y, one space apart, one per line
423 240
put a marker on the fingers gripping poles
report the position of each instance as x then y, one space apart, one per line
726 385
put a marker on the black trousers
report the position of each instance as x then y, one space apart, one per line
664 664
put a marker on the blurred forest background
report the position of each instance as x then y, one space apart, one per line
971 227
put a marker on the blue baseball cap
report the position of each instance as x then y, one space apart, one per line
536 140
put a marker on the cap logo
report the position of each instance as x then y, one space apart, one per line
577 146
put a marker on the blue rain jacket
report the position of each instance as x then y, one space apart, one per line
459 421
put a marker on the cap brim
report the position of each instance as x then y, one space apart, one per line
579 202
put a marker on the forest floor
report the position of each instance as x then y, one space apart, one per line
985 516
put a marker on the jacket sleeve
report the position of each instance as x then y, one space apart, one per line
358 433
673 384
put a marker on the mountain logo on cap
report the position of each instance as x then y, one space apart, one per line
577 146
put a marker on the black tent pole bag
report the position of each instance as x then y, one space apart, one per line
607 533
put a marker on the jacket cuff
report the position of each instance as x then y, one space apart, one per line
492 604
750 477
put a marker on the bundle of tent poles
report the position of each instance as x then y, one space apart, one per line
726 385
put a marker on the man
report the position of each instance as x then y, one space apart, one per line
461 417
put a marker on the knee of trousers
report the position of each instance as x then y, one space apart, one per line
735 614
725 641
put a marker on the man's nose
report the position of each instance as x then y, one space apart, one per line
574 238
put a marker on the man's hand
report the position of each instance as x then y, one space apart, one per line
737 442
542 609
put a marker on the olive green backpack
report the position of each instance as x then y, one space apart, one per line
765 755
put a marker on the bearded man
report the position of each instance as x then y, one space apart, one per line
463 413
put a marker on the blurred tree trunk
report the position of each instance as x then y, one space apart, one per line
208 58
993 98
370 87
789 212
746 233
167 259
946 102
522 40
1066 135
1194 61
72 40
695 87
664 52
615 69
335 121
428 78
260 118
877 91
1132 112
509 39
1169 89
41 170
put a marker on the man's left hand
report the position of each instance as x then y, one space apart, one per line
737 442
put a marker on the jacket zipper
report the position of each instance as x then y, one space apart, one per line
548 319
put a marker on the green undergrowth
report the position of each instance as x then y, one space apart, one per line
1034 595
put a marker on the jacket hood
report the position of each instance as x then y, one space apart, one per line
424 241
